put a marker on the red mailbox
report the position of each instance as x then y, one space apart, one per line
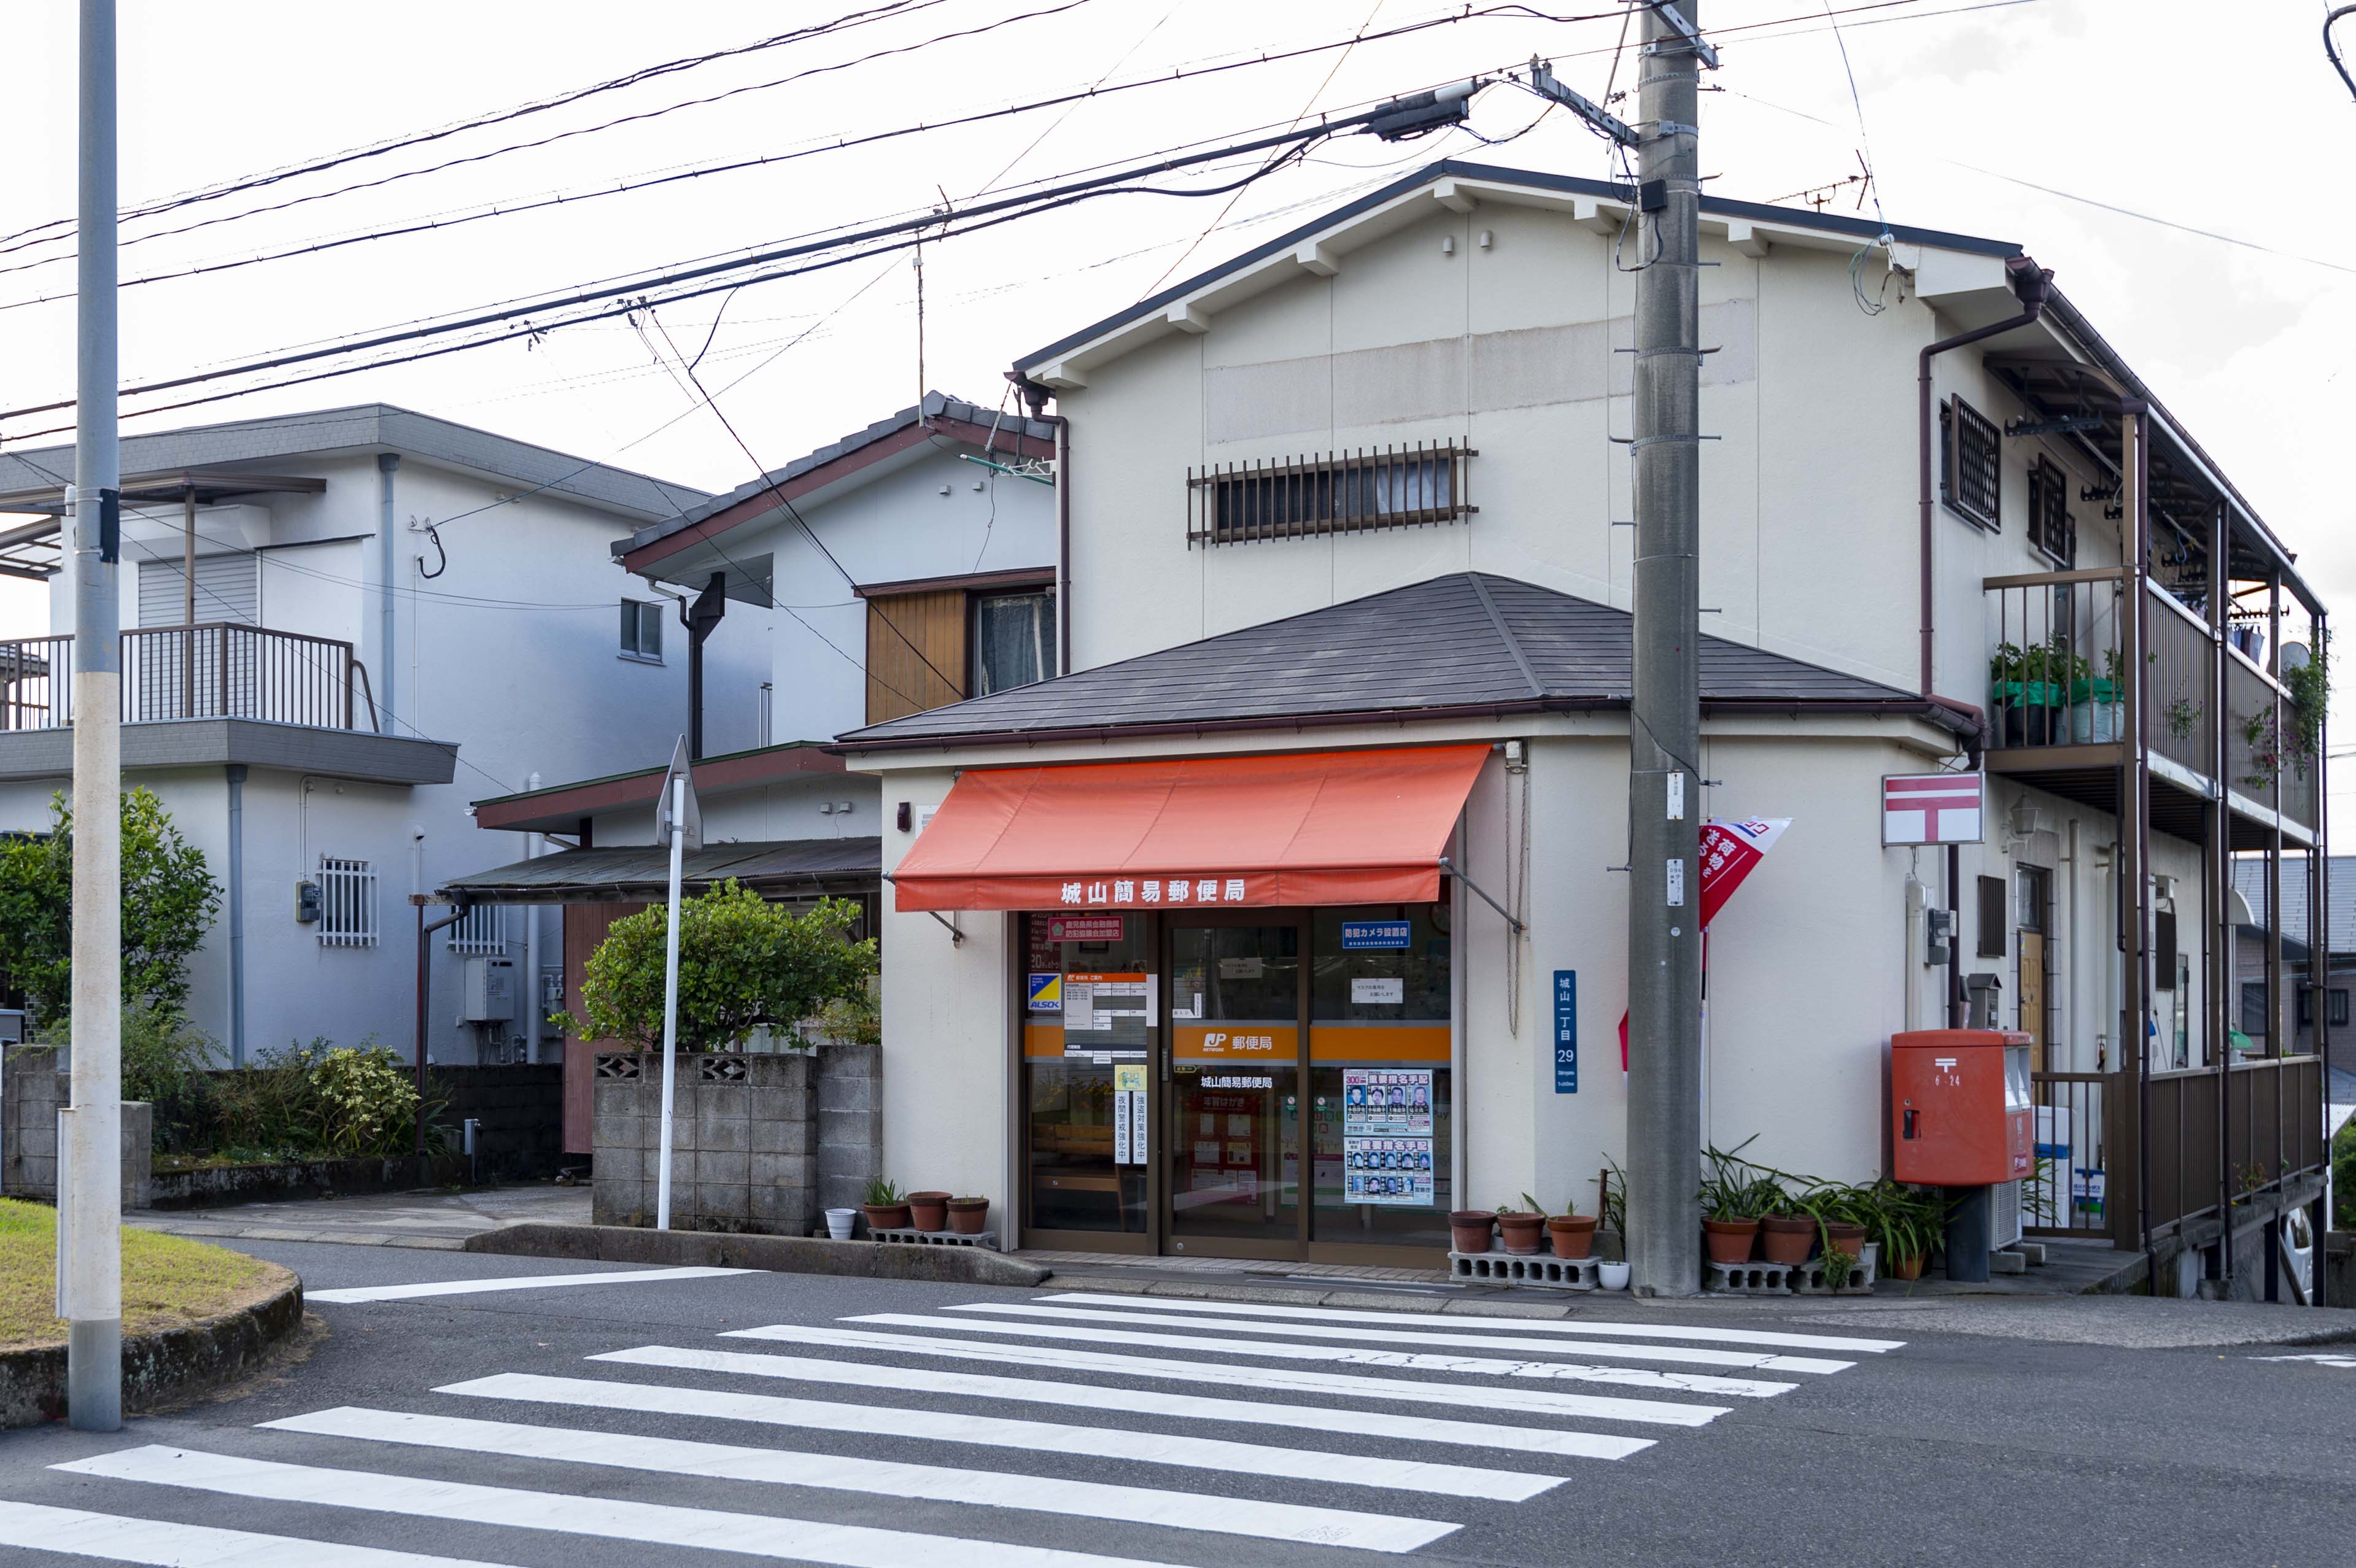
1960 1113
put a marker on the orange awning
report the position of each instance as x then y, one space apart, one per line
1324 828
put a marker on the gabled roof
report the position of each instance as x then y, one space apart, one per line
560 808
940 415
772 868
2339 906
1316 245
365 428
1466 643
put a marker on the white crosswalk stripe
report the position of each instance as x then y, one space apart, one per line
1356 1355
514 1282
1140 1402
1223 1436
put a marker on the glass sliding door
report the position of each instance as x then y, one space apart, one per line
1380 1090
1087 1035
1235 1133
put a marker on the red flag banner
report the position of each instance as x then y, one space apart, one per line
1730 850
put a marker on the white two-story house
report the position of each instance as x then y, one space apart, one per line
340 628
906 565
1332 799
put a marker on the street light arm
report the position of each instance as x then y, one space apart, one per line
2331 52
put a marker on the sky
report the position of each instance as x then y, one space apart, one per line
2114 139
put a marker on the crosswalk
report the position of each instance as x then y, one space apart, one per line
1062 1430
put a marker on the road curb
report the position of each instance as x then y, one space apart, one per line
777 1254
160 1368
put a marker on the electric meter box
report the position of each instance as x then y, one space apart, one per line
487 992
1960 1113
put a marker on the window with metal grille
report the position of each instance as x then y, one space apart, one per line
1340 493
2051 528
480 931
347 903
2338 1007
642 631
1970 479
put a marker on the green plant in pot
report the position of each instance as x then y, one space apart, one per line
1611 1207
1735 1198
1570 1233
2098 707
885 1207
1522 1230
2029 689
969 1216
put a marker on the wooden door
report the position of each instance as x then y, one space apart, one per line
2031 989
585 928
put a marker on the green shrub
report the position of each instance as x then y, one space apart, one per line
168 903
165 1063
743 964
2343 1178
325 1101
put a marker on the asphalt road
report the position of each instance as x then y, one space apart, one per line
749 1420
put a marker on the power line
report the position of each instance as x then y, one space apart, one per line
255 182
637 293
443 224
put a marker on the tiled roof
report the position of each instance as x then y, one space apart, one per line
2339 908
1468 641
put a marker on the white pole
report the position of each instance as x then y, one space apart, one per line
92 1159
670 999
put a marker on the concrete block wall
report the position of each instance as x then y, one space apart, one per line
33 1085
743 1149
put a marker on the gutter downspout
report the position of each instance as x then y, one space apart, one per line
389 553
2031 284
1035 397
235 772
425 930
532 847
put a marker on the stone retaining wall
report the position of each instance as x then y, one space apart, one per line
160 1368
761 1142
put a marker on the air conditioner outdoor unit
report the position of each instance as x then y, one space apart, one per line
487 992
2004 1215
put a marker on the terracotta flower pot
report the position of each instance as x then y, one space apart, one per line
930 1211
1908 1267
1469 1228
1730 1240
969 1216
1849 1239
886 1216
1787 1237
1573 1235
1522 1233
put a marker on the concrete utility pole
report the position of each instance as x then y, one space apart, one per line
90 1240
1664 718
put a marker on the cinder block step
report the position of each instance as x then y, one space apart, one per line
936 1238
1746 1279
1809 1278
2008 1262
1542 1269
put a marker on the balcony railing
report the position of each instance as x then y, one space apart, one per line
2056 671
2273 1126
215 670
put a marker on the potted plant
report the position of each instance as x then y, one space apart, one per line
1469 1230
1612 1275
884 1207
2029 688
1521 1228
968 1216
929 1211
1571 1234
1909 1223
1611 1207
1787 1238
1735 1196
2097 706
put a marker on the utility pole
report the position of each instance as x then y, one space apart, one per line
89 1239
1665 716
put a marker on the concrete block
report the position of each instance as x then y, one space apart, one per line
613 1097
849 1164
837 1093
730 1135
764 1136
730 1102
726 1200
621 1197
2008 1262
617 1132
782 1170
711 1167
780 1104
846 1129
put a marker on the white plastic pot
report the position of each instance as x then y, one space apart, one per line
839 1223
1611 1276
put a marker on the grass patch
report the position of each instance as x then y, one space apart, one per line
167 1281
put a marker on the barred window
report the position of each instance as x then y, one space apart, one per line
347 903
1339 493
2051 528
478 931
1970 480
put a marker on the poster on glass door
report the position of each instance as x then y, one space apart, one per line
1387 1171
1387 1100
